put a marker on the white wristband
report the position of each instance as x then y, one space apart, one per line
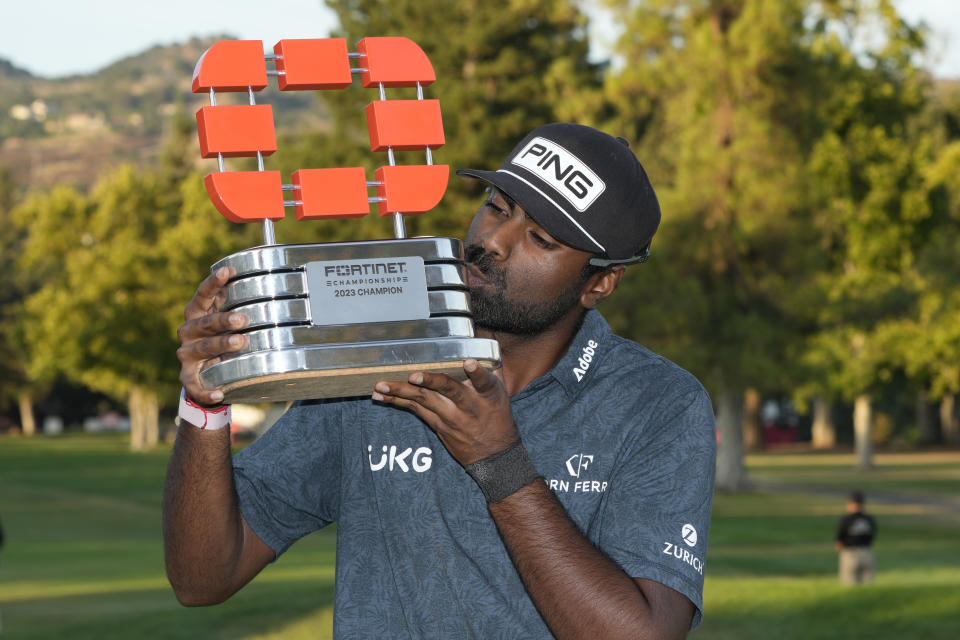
206 419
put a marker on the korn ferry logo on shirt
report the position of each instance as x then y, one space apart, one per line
578 462
688 533
566 173
577 466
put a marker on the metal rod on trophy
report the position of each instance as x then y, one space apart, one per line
268 233
399 228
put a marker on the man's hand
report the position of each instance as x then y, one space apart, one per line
207 334
472 418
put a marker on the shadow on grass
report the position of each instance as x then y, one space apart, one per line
260 608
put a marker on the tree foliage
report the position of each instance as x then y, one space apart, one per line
13 358
706 89
113 271
793 178
502 68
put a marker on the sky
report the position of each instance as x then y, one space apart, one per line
54 38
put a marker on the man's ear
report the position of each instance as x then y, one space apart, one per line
600 285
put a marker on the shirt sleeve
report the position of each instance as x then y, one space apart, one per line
656 519
841 529
287 480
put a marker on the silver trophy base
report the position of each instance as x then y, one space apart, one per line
294 356
339 370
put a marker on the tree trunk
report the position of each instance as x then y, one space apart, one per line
731 474
28 425
863 431
949 423
144 410
136 426
925 427
752 429
823 432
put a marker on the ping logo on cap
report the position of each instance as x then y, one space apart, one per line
565 172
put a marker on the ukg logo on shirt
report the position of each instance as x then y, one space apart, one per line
393 459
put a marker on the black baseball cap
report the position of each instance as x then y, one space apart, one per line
585 187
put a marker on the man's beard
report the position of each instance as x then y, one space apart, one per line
493 311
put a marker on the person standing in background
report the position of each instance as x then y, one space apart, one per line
855 534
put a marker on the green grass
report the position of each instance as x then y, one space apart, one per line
772 572
83 557
909 476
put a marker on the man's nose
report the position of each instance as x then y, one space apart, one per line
500 238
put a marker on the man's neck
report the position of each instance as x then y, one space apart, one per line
526 358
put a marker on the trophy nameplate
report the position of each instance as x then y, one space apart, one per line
330 320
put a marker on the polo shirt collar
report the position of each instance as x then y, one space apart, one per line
589 344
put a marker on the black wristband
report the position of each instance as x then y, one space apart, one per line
504 473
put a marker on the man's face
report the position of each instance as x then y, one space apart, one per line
522 280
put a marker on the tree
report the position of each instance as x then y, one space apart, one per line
873 215
930 342
706 91
39 215
87 320
13 287
502 68
775 140
117 267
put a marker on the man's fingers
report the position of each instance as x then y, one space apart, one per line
205 298
212 324
196 355
483 381
206 335
211 347
420 410
204 397
435 402
441 383
190 380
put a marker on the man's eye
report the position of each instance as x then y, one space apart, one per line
491 205
540 240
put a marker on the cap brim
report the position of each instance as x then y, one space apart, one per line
537 206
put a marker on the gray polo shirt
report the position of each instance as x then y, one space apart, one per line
624 438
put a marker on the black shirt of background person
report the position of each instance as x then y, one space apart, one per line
856 530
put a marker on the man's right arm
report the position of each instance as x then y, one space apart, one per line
210 550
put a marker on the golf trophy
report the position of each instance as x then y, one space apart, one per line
329 320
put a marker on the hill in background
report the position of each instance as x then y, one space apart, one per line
67 130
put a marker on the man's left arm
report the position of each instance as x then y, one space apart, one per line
579 591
